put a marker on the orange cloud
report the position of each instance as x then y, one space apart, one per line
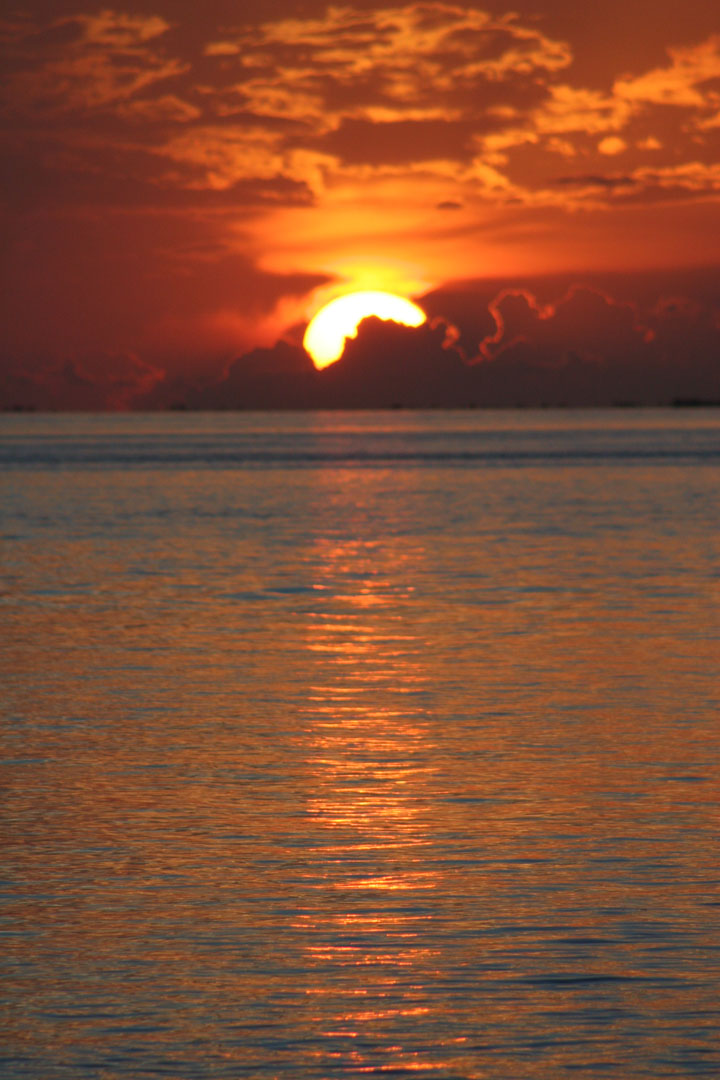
329 149
569 109
682 83
694 176
224 155
166 109
612 145
402 60
91 62
115 29
321 103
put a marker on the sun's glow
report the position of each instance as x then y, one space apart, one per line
328 331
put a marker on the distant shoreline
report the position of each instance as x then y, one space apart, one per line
676 403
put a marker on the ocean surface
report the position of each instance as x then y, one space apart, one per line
361 744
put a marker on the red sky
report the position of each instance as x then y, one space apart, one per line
185 183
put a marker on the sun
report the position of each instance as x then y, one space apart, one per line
328 331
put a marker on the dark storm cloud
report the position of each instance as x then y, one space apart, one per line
585 348
596 349
585 323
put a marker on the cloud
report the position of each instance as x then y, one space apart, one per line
219 158
326 101
83 63
595 349
649 143
685 82
570 109
586 347
281 376
87 82
221 48
684 335
612 145
585 323
401 64
595 180
161 110
113 381
329 148
387 364
450 44
116 30
692 177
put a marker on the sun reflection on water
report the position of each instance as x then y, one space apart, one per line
370 777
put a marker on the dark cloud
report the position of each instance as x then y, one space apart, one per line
113 381
588 348
594 180
165 287
280 377
585 323
387 365
585 349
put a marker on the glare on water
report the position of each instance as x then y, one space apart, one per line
342 745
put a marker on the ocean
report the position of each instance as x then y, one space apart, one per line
361 744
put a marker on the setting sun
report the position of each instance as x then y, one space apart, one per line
328 331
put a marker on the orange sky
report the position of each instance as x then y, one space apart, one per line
187 182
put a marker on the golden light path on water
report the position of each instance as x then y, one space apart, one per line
370 772
435 883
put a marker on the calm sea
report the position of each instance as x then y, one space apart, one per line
375 744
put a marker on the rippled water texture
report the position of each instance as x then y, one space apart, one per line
377 744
